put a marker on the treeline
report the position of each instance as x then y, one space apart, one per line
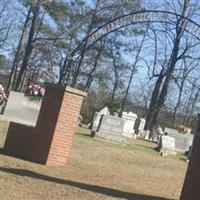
44 40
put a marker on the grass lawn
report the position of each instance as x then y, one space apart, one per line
95 170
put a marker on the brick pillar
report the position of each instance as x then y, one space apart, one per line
56 125
46 123
66 126
49 141
191 187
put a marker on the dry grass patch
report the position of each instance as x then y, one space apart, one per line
96 170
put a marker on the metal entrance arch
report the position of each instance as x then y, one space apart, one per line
141 17
191 185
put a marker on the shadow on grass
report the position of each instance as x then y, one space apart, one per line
146 147
1 151
183 159
84 132
89 187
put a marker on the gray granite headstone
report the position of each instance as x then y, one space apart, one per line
167 145
182 141
97 118
21 109
170 130
111 129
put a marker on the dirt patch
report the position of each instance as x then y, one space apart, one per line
96 170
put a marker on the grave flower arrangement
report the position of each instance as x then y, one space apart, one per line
36 92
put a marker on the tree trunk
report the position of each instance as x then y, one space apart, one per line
114 88
29 46
90 76
154 99
178 102
132 73
188 104
12 76
192 109
116 77
158 105
78 68
23 83
127 91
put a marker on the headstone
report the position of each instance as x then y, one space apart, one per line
170 130
97 117
21 109
80 118
167 145
142 135
158 135
155 138
116 114
189 131
128 129
147 133
141 128
182 141
111 128
104 111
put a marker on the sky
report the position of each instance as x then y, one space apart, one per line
149 4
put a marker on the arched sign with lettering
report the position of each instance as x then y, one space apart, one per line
140 17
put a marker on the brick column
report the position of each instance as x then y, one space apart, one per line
191 187
65 126
49 141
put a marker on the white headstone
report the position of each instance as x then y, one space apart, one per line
159 133
182 141
147 133
104 111
128 129
167 145
141 128
189 131
116 114
171 130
